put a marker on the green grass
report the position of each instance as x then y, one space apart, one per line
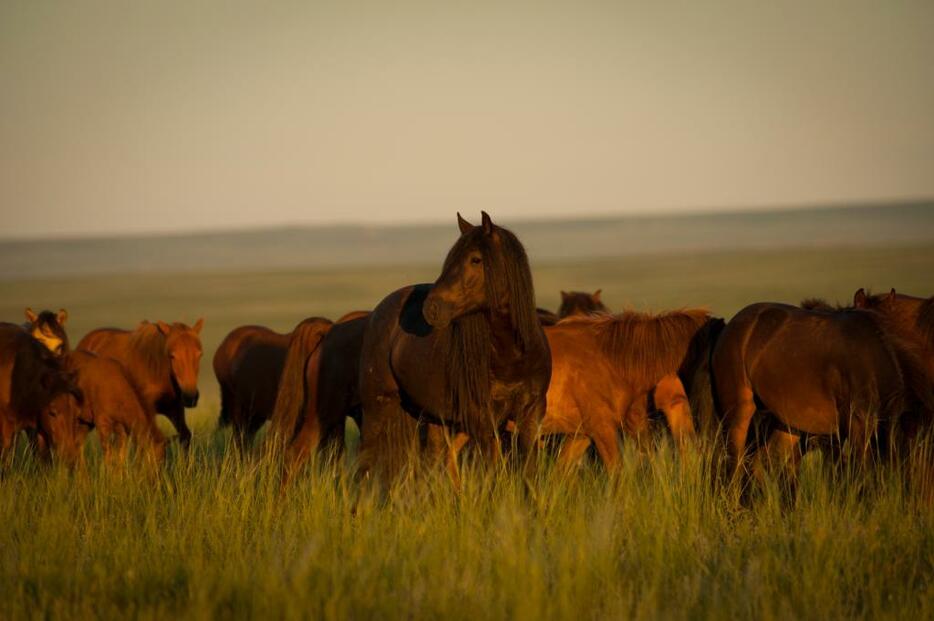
213 536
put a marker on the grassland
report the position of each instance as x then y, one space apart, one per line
214 538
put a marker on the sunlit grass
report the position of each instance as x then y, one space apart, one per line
215 536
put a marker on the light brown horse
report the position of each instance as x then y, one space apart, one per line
248 365
49 329
162 362
608 372
112 406
574 303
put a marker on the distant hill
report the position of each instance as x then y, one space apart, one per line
552 241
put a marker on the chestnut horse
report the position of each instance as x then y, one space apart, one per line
466 352
581 303
49 329
161 361
112 406
248 365
319 391
608 372
36 394
816 371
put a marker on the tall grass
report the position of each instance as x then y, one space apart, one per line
214 537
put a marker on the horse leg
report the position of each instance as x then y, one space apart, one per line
453 448
572 449
607 442
176 415
528 426
781 453
670 397
636 422
737 417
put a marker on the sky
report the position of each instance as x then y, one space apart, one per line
144 117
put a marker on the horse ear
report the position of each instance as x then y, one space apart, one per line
164 328
892 295
463 225
564 296
198 325
486 223
61 317
859 298
31 315
596 295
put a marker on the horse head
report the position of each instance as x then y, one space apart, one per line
183 345
49 329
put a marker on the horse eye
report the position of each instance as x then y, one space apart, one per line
476 260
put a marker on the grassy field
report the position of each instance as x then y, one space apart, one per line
213 537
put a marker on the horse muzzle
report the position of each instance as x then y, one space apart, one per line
190 399
436 312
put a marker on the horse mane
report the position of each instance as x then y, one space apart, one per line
149 346
820 304
646 346
926 321
469 346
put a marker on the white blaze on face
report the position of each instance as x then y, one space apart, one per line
49 340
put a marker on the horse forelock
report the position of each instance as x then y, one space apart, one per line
645 346
151 348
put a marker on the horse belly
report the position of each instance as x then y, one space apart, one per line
799 389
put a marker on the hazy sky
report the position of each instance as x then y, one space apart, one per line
152 116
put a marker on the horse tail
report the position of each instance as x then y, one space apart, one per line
700 380
291 395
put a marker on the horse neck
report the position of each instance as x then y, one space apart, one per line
506 350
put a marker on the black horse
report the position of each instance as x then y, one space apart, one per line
467 353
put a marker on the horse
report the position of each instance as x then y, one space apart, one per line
248 365
36 394
162 363
818 371
49 329
609 371
466 352
580 303
909 317
319 390
112 406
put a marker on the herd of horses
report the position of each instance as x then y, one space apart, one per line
470 361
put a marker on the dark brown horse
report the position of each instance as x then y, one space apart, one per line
36 394
609 372
318 392
49 329
466 352
248 365
581 303
112 406
910 318
162 362
819 371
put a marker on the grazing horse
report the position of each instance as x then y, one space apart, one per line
49 329
112 406
36 394
581 303
319 391
248 365
817 371
466 352
608 372
162 362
